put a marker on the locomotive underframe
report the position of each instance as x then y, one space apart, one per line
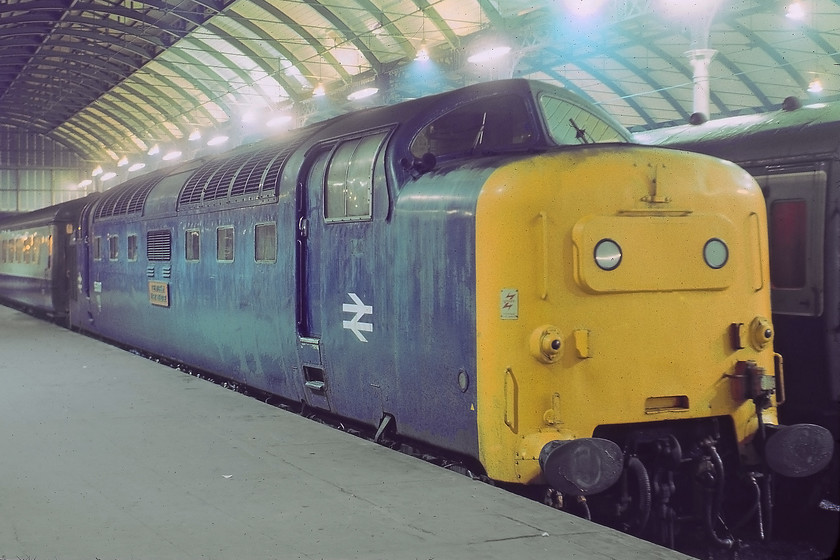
675 473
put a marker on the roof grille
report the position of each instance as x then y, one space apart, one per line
218 185
245 176
128 198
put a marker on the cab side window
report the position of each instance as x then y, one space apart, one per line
348 191
493 124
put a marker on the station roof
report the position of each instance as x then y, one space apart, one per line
106 78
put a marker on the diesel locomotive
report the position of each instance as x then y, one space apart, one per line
496 271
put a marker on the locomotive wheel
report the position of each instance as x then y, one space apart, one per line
635 497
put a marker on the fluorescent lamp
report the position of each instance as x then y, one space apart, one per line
362 94
488 54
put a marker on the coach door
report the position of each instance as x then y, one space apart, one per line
335 248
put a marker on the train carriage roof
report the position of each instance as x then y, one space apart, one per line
800 131
63 212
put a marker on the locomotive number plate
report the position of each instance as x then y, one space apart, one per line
159 293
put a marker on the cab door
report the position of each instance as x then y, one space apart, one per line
335 264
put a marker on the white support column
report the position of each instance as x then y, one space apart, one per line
700 60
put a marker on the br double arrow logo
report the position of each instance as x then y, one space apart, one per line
360 309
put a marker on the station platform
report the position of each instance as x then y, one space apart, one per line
108 455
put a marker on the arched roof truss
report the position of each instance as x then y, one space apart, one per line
106 76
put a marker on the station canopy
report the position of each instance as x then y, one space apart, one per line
110 79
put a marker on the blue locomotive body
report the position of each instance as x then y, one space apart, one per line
270 283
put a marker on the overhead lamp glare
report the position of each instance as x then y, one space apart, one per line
174 154
217 140
154 150
195 135
278 120
489 54
108 176
815 86
123 161
319 90
362 93
136 167
422 54
795 10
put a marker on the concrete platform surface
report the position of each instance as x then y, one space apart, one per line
107 455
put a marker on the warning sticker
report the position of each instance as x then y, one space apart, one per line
509 304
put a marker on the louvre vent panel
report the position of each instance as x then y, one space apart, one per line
128 198
193 189
272 174
240 178
249 178
218 186
159 245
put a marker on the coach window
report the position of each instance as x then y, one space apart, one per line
27 250
795 214
113 247
132 248
224 244
192 245
349 187
265 243
97 248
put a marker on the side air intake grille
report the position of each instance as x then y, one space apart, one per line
159 245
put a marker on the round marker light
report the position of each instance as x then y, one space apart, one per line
607 254
715 253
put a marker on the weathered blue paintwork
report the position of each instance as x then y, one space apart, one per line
366 318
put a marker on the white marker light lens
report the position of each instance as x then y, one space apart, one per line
607 254
715 253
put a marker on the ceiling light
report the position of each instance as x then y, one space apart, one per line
319 90
815 86
96 172
123 161
136 167
488 54
362 93
85 183
795 10
422 54
154 150
174 154
108 176
217 140
195 135
584 8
